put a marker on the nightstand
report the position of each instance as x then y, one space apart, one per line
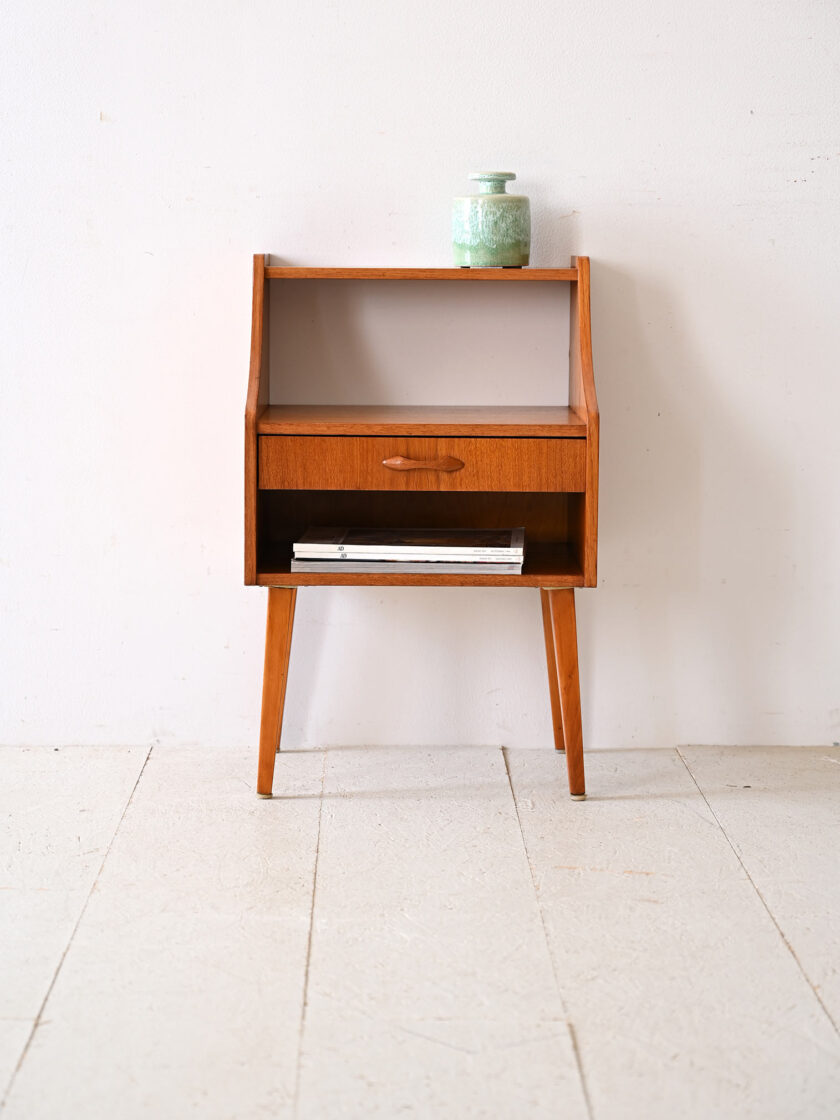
391 466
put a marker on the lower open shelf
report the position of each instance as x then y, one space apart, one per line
551 521
546 565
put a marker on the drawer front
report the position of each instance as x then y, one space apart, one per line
420 463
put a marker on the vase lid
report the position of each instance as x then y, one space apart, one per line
489 176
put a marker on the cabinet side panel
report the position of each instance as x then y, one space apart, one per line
583 398
590 503
256 401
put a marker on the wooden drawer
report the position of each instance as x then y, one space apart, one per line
420 463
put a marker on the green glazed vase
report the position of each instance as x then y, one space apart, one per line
491 229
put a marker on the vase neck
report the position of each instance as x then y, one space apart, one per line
492 186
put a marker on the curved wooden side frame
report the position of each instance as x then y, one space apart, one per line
256 403
583 399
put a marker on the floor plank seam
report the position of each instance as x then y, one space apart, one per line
569 1025
38 1018
762 899
305 1002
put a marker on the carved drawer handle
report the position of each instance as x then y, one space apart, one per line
400 463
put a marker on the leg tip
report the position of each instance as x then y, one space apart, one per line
265 796
578 796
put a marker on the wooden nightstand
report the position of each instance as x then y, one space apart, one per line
326 465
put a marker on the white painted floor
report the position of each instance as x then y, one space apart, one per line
420 933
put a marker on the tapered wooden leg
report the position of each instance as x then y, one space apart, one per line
278 641
564 630
556 717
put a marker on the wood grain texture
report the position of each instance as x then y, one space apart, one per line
420 420
255 403
356 463
280 618
564 630
551 664
498 275
583 399
545 566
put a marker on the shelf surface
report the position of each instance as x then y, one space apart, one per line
275 272
408 420
545 566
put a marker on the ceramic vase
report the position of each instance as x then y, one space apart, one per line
491 229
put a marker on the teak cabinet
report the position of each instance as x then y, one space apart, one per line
392 466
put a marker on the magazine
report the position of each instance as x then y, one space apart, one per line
411 544
426 567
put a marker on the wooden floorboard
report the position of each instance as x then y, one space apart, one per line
684 998
395 933
59 811
181 993
779 810
430 991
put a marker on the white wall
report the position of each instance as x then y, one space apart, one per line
149 149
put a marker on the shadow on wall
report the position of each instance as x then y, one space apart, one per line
687 488
326 344
691 634
419 667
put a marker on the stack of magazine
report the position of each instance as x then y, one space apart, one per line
429 551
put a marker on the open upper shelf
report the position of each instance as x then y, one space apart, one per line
418 420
